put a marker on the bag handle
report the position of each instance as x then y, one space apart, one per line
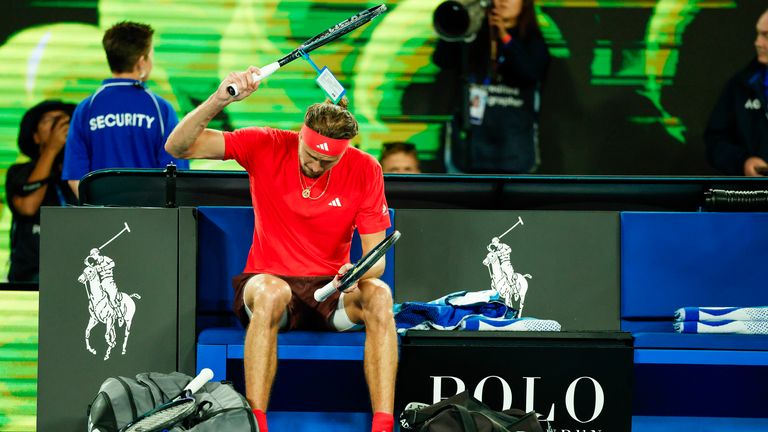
469 423
466 418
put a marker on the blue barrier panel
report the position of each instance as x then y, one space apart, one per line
672 260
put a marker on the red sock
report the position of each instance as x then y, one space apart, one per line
383 422
261 420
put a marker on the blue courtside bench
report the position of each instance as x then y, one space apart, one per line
307 360
701 382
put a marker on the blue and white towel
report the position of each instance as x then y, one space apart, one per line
732 327
481 323
478 310
713 314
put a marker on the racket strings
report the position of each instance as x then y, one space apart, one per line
343 28
164 417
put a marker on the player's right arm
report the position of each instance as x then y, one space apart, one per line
192 139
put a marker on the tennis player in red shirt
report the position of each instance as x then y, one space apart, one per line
310 190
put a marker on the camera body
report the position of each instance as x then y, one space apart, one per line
460 20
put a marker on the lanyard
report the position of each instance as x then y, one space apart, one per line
60 195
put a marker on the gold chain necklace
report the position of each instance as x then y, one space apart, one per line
306 191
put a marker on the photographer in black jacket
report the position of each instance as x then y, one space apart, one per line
737 133
498 76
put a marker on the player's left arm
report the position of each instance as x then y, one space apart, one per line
369 241
372 219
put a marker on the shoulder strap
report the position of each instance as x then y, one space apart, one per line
466 419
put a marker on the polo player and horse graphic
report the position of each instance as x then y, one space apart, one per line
510 285
106 304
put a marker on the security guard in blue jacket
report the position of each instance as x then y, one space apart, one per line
123 124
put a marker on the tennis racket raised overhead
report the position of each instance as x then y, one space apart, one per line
321 39
355 273
170 413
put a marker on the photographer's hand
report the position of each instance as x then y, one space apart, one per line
57 137
496 22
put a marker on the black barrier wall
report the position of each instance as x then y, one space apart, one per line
86 253
575 381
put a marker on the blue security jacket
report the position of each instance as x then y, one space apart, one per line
122 125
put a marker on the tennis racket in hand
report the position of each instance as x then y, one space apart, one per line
327 36
358 270
170 413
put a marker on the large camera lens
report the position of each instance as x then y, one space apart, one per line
451 20
459 20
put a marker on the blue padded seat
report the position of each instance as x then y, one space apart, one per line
674 260
233 336
295 345
734 342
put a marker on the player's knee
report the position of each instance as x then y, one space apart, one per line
267 295
377 298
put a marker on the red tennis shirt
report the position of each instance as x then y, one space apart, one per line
296 236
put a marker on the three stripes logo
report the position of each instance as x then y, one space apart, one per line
335 202
323 146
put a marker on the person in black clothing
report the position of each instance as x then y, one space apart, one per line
498 76
737 133
30 185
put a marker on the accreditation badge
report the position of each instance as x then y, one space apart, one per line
478 98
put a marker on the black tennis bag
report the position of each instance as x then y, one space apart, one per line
464 413
121 400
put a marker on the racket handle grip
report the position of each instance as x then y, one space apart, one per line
324 292
203 377
265 72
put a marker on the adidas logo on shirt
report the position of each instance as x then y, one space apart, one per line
335 203
752 104
323 146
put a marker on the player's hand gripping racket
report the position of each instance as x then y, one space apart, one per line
170 413
355 273
321 39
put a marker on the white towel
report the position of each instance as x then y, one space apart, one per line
481 323
732 327
713 314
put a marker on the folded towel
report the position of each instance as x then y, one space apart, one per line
709 314
502 324
733 327
462 310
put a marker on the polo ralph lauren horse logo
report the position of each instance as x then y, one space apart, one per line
510 285
106 304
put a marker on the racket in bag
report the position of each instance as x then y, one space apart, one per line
464 413
121 400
